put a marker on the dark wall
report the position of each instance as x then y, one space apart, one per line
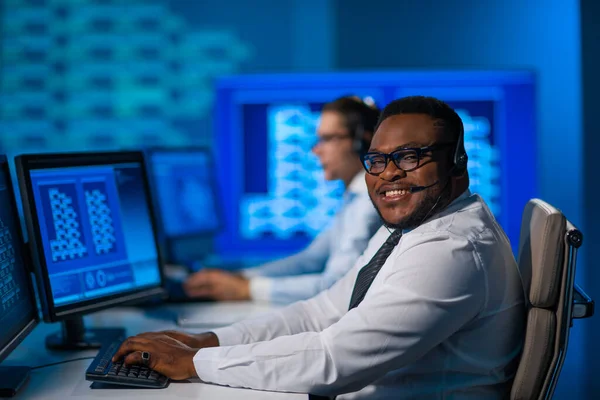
590 67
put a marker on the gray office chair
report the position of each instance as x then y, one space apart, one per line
547 257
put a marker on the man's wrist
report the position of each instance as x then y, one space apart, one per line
213 339
246 295
190 366
260 288
206 339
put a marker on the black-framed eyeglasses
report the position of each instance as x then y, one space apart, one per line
406 159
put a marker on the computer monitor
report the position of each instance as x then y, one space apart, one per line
92 238
183 184
276 198
18 311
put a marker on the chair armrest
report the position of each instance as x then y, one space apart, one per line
583 305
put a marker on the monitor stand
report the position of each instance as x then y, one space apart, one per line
11 380
74 336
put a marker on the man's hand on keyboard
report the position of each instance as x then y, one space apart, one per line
167 355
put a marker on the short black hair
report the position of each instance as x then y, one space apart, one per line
436 109
355 112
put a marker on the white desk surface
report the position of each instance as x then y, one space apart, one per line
67 380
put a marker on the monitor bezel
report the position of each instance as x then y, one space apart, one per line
28 162
150 151
33 319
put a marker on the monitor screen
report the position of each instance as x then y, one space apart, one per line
183 182
18 313
93 227
278 169
277 197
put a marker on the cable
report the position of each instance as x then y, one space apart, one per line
436 202
63 362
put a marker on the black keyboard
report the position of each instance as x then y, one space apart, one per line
102 369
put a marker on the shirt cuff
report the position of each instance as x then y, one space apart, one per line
228 335
206 363
249 273
260 288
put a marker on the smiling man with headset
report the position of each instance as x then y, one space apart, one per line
433 309
344 133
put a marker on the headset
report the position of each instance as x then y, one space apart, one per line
359 144
460 154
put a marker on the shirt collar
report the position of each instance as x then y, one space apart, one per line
467 193
358 185
455 205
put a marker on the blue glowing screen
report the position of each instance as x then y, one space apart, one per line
16 304
96 231
185 191
277 199
285 194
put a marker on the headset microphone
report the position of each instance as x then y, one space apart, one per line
416 189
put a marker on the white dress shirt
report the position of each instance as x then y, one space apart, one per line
329 256
443 319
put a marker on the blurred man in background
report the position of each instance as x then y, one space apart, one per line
345 130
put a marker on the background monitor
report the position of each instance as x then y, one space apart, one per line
18 311
92 236
277 200
183 183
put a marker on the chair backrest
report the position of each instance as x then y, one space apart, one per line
547 258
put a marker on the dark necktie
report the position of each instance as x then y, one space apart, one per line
368 273
365 277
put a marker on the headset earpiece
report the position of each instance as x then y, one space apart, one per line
461 159
358 141
360 120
